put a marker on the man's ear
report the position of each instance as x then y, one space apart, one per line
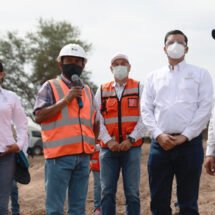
2 75
164 48
59 64
111 69
186 49
129 68
83 65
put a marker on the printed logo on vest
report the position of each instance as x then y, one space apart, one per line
132 102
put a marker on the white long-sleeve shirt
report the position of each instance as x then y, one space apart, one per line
104 135
177 101
210 150
11 113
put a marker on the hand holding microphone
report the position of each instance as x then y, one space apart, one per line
75 91
77 83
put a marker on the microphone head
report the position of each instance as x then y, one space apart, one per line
213 33
75 78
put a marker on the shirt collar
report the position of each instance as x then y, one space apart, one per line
68 82
116 84
178 66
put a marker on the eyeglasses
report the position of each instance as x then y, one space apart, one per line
175 41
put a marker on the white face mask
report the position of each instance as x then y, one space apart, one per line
175 51
120 72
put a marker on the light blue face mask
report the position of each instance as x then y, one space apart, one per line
120 72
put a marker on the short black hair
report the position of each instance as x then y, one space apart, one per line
1 67
173 32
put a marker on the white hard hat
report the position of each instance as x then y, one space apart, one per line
119 56
72 50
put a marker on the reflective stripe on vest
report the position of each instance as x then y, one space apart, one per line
120 116
124 119
94 161
65 113
71 130
68 141
126 92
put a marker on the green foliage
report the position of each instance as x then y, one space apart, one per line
30 60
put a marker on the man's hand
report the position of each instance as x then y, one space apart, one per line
125 145
11 149
180 139
113 145
74 92
46 113
166 141
210 165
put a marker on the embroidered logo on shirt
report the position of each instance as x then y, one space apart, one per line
189 76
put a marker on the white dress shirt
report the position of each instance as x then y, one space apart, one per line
104 135
11 113
177 101
210 150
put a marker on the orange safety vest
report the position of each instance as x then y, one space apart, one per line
94 162
120 116
70 132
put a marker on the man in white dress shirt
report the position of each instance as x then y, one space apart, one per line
176 106
11 112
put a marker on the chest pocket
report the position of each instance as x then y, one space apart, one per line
188 90
111 105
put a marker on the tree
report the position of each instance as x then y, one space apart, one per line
13 55
37 51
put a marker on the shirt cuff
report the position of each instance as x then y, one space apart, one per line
105 138
156 133
210 151
132 136
20 145
187 134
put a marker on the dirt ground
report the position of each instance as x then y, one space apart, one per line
32 196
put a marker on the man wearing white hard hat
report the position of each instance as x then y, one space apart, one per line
66 110
121 132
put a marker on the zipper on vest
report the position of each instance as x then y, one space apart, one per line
79 119
120 120
120 115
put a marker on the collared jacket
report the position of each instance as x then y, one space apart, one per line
69 132
120 115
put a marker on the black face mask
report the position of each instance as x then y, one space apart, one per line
71 69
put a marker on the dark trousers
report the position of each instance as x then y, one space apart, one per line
185 163
7 169
14 199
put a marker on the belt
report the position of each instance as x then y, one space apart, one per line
175 134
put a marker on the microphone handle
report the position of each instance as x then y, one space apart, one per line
80 102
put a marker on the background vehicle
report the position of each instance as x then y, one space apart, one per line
35 141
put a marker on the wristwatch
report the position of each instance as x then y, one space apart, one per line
131 139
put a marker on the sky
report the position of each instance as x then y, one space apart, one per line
132 27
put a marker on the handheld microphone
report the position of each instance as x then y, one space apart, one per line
77 83
213 34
